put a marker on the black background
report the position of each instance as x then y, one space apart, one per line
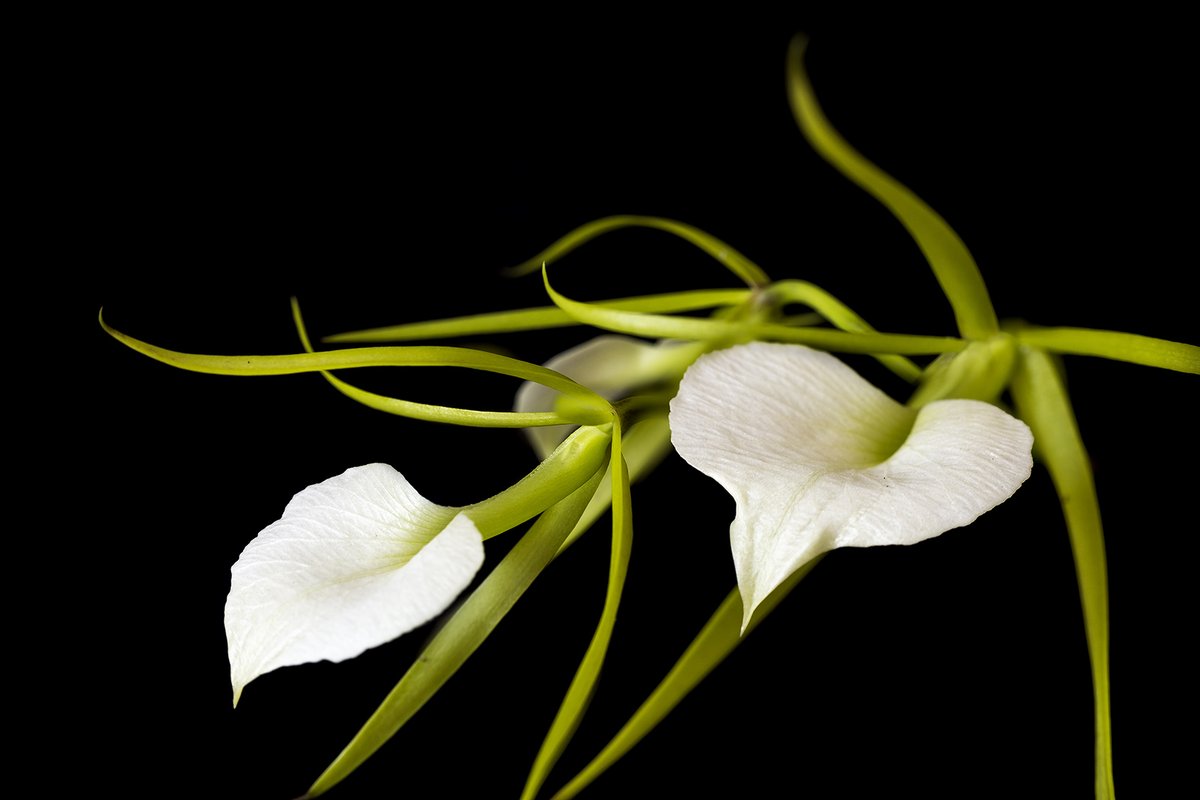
205 170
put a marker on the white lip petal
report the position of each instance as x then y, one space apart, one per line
355 561
817 458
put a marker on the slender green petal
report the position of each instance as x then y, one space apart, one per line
869 343
446 414
1130 347
720 635
726 332
841 315
580 692
462 634
591 410
734 261
952 263
432 413
530 319
1042 402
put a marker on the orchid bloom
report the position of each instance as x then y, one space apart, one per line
814 456
818 458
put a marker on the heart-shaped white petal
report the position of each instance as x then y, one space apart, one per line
611 366
817 458
355 561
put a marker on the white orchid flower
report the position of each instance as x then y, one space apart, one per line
817 458
354 562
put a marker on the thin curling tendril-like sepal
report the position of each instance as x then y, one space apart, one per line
426 411
587 407
532 319
817 458
1042 401
949 258
582 685
841 315
749 272
720 636
725 332
463 633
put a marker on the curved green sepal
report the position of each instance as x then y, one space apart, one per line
720 635
842 317
451 646
425 411
722 332
1131 347
580 692
752 274
1042 402
952 263
531 319
594 410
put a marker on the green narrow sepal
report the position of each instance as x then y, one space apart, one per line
723 332
532 319
719 637
594 409
465 631
752 274
582 685
1130 347
842 317
1042 401
949 258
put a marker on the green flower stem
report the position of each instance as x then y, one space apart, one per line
719 637
571 464
462 634
735 262
530 319
1129 347
1043 403
952 263
582 685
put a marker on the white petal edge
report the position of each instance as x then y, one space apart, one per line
610 366
355 561
817 458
